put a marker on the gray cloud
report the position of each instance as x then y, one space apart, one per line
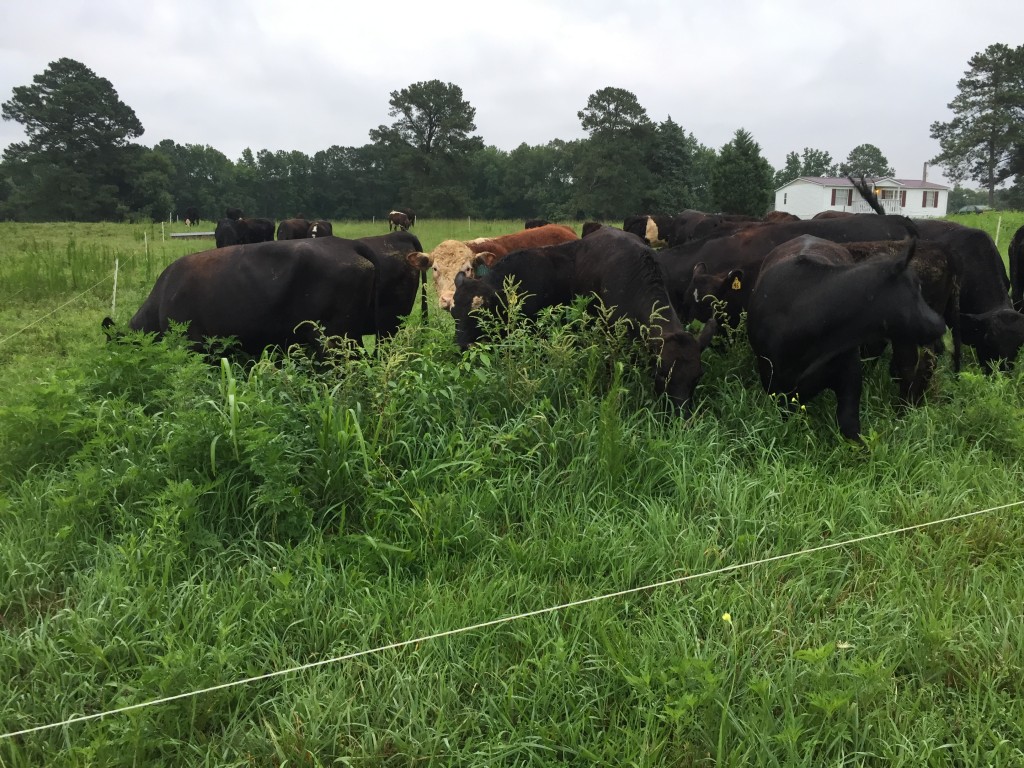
310 74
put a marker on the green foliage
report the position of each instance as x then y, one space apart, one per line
866 160
812 162
742 178
169 524
986 131
77 163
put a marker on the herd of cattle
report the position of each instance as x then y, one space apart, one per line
818 294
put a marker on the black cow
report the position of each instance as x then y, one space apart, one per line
724 269
264 294
234 213
534 223
609 264
191 215
243 231
397 280
813 308
292 229
989 323
1016 254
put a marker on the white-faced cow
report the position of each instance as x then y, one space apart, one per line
453 257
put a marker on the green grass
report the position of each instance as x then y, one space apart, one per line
167 525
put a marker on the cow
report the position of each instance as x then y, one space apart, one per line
724 269
397 280
320 228
616 268
242 231
234 213
988 322
941 275
590 226
1016 258
272 293
293 229
398 220
191 216
534 223
813 307
454 256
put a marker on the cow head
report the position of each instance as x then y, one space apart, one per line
996 336
450 258
679 368
706 289
471 294
905 315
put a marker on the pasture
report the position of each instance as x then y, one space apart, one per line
167 525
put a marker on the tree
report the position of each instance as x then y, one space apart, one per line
78 130
813 162
428 146
742 179
980 141
866 160
681 168
612 169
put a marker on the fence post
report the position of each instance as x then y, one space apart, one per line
113 299
999 224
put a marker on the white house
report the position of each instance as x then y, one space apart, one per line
809 195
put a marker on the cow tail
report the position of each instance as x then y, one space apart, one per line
423 295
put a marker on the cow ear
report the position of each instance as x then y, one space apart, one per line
460 278
700 268
735 279
487 258
707 333
420 261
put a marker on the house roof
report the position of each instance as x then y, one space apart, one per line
883 181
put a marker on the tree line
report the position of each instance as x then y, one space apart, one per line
80 161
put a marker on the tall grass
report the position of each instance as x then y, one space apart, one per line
167 525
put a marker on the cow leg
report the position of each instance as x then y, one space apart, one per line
847 383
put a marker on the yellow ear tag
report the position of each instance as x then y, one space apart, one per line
736 285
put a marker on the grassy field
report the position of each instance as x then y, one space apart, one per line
168 526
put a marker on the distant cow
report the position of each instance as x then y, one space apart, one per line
243 231
264 294
813 308
610 264
292 229
191 215
320 228
451 257
234 213
534 223
398 220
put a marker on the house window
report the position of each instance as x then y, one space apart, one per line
930 198
785 196
903 198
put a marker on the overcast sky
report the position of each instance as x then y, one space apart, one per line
308 74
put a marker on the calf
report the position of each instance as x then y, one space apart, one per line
812 309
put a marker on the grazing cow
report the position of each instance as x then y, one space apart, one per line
191 215
320 228
940 274
398 220
454 256
534 223
292 229
724 269
397 280
989 323
264 294
610 264
1016 254
234 213
813 308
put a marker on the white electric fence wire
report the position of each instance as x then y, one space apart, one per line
54 311
504 620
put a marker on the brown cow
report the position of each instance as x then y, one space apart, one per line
398 220
454 256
